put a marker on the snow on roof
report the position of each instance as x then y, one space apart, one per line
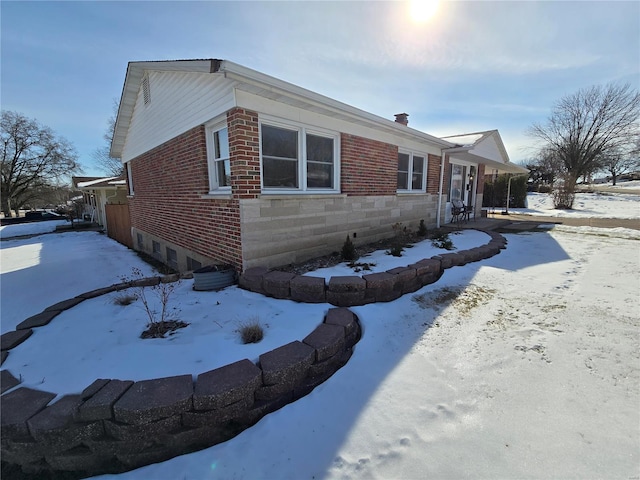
91 183
466 139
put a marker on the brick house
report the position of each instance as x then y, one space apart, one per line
228 165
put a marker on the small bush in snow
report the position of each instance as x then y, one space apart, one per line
442 240
162 292
349 250
422 229
124 299
251 332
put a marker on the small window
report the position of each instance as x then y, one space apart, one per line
140 241
156 248
411 172
319 162
172 258
218 159
193 264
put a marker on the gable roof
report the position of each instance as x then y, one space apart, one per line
258 84
483 147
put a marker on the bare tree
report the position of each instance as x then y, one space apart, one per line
544 169
585 127
620 161
112 166
33 158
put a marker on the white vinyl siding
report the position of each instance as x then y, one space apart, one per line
181 101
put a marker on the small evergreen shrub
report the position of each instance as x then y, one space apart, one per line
442 240
349 250
396 251
422 229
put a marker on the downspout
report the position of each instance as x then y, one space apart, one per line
506 209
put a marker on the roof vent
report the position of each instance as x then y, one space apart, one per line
402 118
145 90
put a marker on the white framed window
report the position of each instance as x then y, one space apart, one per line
218 158
412 171
298 158
130 178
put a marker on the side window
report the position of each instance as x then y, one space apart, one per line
218 159
279 157
172 258
411 172
403 171
193 264
320 161
156 249
129 178
297 157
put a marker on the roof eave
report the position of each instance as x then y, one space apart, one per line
267 82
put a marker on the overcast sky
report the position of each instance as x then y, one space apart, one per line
473 66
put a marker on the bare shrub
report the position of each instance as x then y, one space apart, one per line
124 299
251 331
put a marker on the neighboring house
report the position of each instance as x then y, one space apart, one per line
228 165
97 192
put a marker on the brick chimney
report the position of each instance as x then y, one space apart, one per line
402 118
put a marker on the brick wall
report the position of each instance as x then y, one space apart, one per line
368 167
169 182
244 148
481 179
433 174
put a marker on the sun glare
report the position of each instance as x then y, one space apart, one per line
422 10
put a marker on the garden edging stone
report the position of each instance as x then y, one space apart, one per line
114 426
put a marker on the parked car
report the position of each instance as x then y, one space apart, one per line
42 215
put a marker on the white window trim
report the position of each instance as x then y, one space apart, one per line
130 179
411 154
214 184
303 130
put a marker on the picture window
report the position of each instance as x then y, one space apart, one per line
298 158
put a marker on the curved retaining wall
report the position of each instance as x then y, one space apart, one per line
115 425
349 291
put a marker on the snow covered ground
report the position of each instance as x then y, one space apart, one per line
609 201
525 365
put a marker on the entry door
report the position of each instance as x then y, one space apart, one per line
470 187
457 187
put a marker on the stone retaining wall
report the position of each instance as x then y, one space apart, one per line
115 426
349 291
